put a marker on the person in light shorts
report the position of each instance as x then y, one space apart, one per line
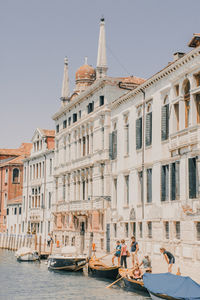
134 251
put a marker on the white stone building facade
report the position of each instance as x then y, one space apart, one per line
156 167
38 188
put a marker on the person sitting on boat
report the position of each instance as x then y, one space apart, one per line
134 251
117 253
137 273
146 262
169 257
123 254
49 240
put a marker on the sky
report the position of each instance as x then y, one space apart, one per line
36 35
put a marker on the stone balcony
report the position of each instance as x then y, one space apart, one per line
36 214
95 203
184 138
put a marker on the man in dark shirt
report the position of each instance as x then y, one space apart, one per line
169 257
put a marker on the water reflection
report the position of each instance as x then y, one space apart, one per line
20 281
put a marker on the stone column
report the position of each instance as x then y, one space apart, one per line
198 176
181 114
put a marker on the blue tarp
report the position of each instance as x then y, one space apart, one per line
175 286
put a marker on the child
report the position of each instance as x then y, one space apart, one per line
117 253
146 262
169 257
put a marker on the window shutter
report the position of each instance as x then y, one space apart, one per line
163 191
149 185
192 177
177 164
149 129
114 144
173 181
167 181
110 146
165 122
139 133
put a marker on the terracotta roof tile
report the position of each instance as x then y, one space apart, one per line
48 132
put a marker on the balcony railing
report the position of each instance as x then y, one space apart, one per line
93 203
184 138
36 213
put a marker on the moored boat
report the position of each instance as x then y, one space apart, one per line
131 284
171 287
98 269
67 260
27 254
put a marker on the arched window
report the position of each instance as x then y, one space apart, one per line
148 137
15 177
187 102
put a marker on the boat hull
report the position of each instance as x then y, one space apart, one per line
135 286
67 264
161 297
110 273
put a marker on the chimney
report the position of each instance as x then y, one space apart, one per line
178 55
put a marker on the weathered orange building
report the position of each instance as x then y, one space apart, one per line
11 181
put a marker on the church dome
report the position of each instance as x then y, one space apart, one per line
86 72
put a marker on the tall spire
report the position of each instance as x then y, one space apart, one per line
101 57
65 85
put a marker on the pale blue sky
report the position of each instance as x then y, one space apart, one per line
36 35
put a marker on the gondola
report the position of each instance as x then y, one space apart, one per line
27 254
98 269
132 285
67 260
171 287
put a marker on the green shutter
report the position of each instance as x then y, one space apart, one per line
139 133
110 146
149 185
173 181
163 187
177 179
114 140
165 122
192 177
148 138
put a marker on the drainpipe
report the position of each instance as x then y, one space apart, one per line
143 149
44 195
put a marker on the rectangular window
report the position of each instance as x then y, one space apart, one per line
149 185
149 228
126 190
140 186
166 224
115 229
178 230
148 139
139 133
113 145
140 229
192 178
69 121
126 230
15 211
165 183
90 107
126 132
101 100
20 210
57 128
64 124
50 166
165 122
174 181
79 114
198 230
7 212
74 118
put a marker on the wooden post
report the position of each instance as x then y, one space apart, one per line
17 242
36 242
40 244
44 246
90 245
8 242
51 247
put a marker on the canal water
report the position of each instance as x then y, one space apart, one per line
25 281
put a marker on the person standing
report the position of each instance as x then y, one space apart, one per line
117 253
123 254
169 257
134 251
49 240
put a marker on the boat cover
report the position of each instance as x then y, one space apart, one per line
178 287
